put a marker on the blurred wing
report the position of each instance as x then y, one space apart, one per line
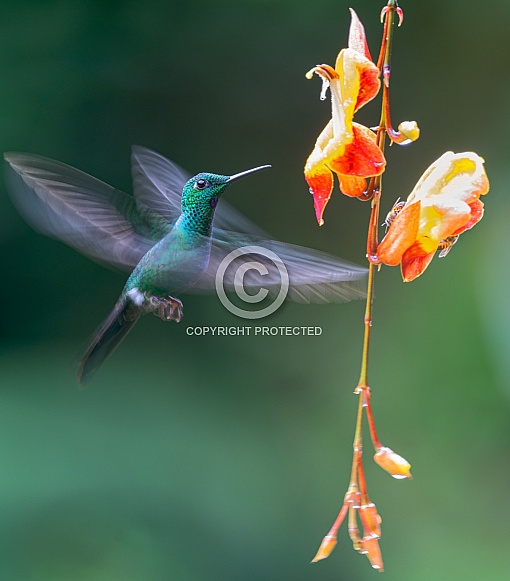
314 277
99 221
158 183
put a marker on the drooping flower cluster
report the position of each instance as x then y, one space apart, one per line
357 504
444 203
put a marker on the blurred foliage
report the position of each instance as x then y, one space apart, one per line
193 458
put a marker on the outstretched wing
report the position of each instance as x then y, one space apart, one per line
158 183
314 276
99 221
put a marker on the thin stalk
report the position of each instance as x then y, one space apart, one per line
375 186
384 65
357 491
363 378
357 446
371 425
362 483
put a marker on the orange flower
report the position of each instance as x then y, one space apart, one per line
344 147
444 203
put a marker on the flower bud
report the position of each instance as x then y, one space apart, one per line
327 545
370 519
353 529
410 130
394 464
370 548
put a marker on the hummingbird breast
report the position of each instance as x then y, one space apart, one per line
173 264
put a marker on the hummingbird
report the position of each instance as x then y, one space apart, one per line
170 235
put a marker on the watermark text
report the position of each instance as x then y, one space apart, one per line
254 331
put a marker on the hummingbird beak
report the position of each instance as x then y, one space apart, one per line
245 173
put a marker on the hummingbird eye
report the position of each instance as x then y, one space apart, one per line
201 184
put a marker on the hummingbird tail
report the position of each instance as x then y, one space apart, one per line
108 337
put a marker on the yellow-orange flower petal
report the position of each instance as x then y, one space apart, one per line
447 196
320 180
359 78
446 190
347 148
368 72
357 36
475 217
352 186
401 235
414 261
361 157
358 159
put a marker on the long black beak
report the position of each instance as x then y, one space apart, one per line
245 173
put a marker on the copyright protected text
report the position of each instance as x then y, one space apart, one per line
253 331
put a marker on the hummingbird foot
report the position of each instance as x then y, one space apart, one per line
167 308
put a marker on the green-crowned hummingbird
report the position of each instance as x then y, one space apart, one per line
171 235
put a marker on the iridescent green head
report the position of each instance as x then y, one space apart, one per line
202 192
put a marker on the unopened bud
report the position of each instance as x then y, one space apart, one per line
353 529
327 545
394 464
409 130
370 548
370 519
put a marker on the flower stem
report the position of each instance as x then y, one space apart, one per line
356 496
384 65
363 378
371 424
375 189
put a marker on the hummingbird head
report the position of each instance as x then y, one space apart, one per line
201 193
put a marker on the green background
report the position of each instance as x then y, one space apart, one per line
192 458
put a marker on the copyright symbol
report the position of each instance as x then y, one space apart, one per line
239 281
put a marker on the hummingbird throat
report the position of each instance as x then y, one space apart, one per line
197 219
